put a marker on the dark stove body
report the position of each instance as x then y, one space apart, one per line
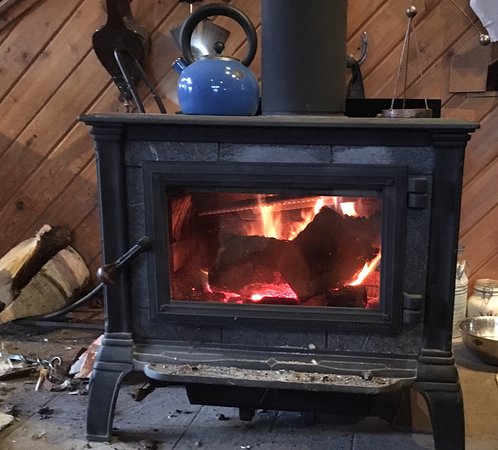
263 357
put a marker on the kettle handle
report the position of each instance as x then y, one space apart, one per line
218 9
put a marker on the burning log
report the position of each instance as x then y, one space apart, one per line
245 260
348 296
325 255
345 297
329 252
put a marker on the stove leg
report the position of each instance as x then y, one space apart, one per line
437 381
445 405
113 363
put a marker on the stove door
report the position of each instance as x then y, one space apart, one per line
277 242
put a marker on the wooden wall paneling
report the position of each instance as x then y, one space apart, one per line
479 197
359 13
41 135
163 50
23 212
86 241
483 147
479 215
77 209
76 199
22 46
481 106
481 243
148 14
488 270
42 79
14 13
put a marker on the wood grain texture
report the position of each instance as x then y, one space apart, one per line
49 75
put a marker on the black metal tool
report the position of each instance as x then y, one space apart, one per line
121 33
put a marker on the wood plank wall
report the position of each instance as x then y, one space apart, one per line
49 75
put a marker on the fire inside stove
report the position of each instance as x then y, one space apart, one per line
275 249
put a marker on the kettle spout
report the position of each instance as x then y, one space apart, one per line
179 64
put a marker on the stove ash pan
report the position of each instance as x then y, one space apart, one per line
300 255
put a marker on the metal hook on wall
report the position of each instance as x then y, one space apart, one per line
351 60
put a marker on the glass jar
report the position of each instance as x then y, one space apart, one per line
461 290
484 299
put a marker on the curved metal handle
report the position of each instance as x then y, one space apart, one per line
351 60
215 9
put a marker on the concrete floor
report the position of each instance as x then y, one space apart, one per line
166 420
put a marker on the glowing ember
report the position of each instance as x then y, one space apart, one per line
280 289
258 292
367 269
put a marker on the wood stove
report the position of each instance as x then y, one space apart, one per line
257 319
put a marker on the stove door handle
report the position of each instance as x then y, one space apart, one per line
108 273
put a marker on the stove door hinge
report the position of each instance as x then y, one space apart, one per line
417 192
412 308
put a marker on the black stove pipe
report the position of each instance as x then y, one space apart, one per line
303 56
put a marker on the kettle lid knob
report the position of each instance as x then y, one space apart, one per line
218 47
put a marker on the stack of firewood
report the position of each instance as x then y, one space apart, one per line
40 275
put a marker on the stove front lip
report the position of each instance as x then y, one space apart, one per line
278 368
390 181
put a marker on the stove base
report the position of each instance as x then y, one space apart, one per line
253 386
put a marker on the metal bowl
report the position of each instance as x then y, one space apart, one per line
480 336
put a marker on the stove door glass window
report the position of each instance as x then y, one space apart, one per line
275 249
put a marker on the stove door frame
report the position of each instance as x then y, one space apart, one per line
391 181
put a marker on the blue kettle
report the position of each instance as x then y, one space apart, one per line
217 84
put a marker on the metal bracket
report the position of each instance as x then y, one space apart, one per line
417 193
412 308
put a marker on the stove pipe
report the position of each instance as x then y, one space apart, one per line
303 56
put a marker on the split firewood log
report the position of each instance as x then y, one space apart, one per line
21 263
244 260
59 281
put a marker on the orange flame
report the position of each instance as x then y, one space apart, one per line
271 224
348 209
368 268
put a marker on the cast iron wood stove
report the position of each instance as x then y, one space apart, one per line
277 319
